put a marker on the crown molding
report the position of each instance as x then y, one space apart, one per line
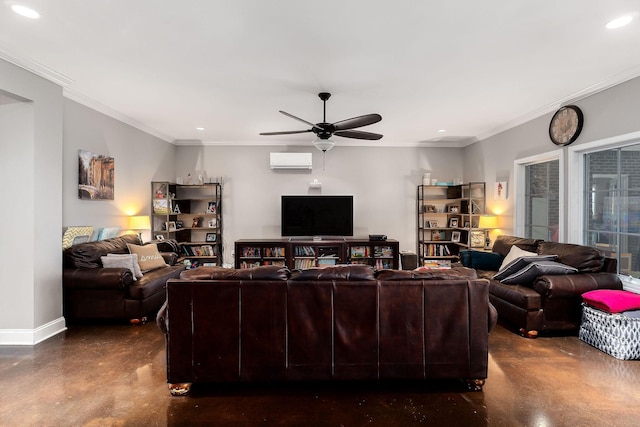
36 68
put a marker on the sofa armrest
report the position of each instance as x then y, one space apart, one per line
162 319
97 278
572 285
170 257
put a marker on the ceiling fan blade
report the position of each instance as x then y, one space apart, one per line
358 134
286 132
313 125
357 122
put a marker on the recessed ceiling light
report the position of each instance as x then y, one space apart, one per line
442 130
619 22
25 11
199 128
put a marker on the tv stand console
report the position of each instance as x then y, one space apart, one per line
297 253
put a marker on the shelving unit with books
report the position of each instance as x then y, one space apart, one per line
447 219
254 253
304 254
191 214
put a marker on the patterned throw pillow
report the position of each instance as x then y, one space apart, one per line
149 257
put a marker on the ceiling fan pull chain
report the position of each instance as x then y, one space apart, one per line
324 153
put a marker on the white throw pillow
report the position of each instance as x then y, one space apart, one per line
115 262
137 272
514 253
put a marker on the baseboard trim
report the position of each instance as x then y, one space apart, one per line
32 336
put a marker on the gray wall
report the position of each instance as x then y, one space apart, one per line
139 158
382 180
30 170
609 113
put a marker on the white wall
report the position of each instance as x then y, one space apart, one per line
30 168
606 114
139 158
382 180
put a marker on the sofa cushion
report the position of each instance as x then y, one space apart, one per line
137 272
612 301
519 263
336 272
263 272
481 260
423 273
584 258
149 257
87 255
529 272
503 244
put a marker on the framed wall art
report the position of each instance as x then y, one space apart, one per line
95 176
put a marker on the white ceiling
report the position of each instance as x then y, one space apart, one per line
471 67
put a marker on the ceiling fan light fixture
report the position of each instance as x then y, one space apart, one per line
324 145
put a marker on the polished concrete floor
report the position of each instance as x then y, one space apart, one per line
115 376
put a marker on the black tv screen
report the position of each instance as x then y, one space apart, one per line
317 216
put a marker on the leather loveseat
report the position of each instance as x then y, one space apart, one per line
344 322
548 301
92 291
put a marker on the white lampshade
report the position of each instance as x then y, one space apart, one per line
139 222
488 221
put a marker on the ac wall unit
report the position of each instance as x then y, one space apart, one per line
290 160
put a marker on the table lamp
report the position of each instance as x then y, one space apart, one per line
486 223
139 223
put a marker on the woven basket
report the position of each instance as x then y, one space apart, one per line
615 334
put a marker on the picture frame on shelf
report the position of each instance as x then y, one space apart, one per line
210 237
467 224
437 235
159 236
455 236
212 208
433 223
212 223
476 239
453 208
160 206
453 223
171 226
430 209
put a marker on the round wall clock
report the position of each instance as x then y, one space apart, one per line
566 125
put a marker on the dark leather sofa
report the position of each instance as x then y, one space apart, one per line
91 291
337 323
550 302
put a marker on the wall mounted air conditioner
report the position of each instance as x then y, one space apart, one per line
290 160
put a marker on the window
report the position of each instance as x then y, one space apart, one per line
539 184
542 203
612 205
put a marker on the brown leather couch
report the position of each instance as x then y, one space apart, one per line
551 302
337 323
91 291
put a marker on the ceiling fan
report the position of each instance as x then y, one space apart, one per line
324 130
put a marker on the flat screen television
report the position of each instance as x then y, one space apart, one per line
317 215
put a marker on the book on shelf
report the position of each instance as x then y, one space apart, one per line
304 251
304 263
383 252
360 251
275 252
250 252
